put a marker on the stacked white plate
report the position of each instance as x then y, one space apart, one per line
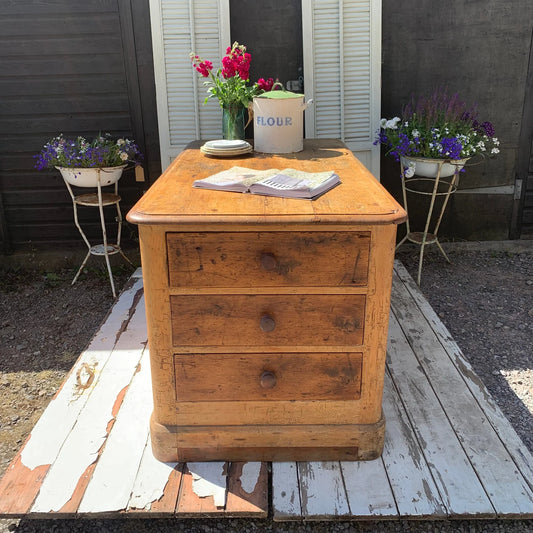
226 148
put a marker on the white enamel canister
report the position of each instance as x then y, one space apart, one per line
279 122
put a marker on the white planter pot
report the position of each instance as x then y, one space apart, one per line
88 177
429 168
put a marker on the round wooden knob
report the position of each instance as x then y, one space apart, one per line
268 261
268 380
267 323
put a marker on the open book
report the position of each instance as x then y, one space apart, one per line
289 183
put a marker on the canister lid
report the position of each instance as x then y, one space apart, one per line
279 94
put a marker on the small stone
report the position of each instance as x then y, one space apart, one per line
495 372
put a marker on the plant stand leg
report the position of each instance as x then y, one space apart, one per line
452 186
81 267
428 222
119 228
104 237
82 233
404 194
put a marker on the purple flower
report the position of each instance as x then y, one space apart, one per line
487 128
79 153
451 148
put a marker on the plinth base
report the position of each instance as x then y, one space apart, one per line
344 442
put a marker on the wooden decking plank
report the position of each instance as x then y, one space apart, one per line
414 489
322 492
504 429
156 487
24 476
285 491
247 489
203 489
503 483
458 484
368 490
116 470
63 487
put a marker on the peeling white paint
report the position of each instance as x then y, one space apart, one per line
151 481
62 412
209 479
56 422
90 430
250 476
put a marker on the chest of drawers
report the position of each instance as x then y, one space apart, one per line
267 317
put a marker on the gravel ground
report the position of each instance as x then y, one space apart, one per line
485 298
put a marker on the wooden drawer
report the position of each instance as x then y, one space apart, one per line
254 259
287 376
267 320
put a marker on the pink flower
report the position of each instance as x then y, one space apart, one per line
229 67
265 85
203 67
243 66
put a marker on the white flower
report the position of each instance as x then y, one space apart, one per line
416 134
124 156
120 142
392 123
495 151
383 122
409 169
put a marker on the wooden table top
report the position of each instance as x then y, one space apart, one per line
359 199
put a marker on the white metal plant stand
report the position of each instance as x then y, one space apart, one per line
413 185
99 199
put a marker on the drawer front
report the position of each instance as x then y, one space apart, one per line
267 320
315 259
249 377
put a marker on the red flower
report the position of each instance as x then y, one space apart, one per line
230 83
265 85
203 67
229 67
243 66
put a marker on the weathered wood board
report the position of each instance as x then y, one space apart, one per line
90 453
449 451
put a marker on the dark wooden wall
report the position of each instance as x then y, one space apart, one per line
479 49
77 67
266 27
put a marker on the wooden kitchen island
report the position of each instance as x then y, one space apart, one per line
267 317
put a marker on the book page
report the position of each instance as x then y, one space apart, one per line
237 179
293 183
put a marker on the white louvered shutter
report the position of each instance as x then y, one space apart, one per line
342 73
178 28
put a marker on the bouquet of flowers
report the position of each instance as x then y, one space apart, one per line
103 151
437 127
230 83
